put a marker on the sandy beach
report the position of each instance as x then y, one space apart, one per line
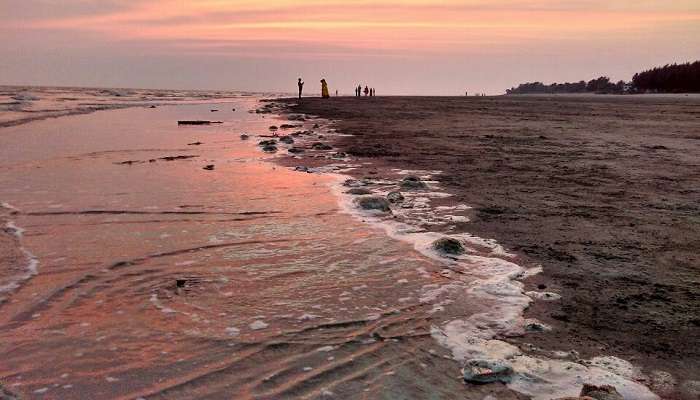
348 248
146 259
601 191
195 205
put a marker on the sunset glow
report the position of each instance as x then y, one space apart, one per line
478 36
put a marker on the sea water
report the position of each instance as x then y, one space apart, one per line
137 273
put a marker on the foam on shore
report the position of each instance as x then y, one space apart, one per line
487 276
32 266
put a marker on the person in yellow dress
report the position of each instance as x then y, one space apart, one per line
324 89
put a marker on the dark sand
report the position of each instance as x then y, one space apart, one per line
603 192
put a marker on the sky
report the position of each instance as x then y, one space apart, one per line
432 47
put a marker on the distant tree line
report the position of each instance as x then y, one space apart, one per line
673 78
599 85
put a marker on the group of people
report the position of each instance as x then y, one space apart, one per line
368 91
324 88
325 94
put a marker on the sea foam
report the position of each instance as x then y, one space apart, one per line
488 276
31 268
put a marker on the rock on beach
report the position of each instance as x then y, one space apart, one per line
373 203
395 197
412 182
486 371
449 246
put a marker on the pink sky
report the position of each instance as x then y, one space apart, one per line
400 47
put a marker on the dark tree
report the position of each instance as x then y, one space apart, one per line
599 85
671 78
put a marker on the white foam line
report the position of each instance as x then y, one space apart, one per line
9 206
493 281
32 268
15 230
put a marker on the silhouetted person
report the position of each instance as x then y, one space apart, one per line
366 91
324 89
300 83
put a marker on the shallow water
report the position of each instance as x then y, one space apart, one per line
22 104
157 278
281 295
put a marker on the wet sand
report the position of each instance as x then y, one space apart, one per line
157 278
147 259
602 192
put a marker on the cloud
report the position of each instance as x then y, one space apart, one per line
412 24
346 31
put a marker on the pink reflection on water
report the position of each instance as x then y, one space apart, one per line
161 278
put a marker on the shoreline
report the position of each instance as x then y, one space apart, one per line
25 104
226 264
381 155
480 304
453 216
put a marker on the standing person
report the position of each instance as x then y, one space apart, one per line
300 83
366 91
324 89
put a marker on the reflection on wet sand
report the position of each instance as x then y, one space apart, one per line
165 280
